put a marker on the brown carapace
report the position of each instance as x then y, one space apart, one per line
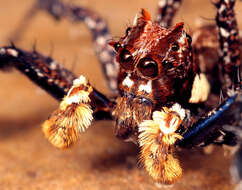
156 72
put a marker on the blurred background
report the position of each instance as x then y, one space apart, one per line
98 160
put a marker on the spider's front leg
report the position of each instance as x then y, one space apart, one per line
157 139
80 101
73 116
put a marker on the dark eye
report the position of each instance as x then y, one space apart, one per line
117 46
128 30
126 59
189 38
148 67
175 47
167 64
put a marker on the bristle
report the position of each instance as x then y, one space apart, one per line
74 116
156 146
135 20
63 127
163 168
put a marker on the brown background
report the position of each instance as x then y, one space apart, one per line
99 160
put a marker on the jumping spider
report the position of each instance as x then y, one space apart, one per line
160 90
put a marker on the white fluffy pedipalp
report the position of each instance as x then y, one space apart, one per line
77 94
200 89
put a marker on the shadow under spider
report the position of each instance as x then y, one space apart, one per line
125 156
10 127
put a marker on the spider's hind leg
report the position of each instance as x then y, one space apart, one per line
229 53
210 128
157 138
166 11
94 22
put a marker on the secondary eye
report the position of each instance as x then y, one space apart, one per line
175 47
126 59
148 67
167 64
117 46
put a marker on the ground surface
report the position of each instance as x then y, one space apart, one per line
99 160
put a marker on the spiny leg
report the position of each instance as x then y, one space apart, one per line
204 128
100 35
204 131
229 53
166 11
41 69
50 76
98 27
230 67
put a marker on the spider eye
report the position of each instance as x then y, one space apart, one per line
127 31
117 46
167 64
126 59
148 67
175 47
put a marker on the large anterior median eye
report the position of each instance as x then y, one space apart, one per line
126 59
148 67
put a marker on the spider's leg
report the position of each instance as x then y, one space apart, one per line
73 116
157 138
80 101
50 76
42 70
166 11
236 167
97 26
99 29
229 53
202 130
205 130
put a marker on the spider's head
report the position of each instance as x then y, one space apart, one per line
155 62
156 68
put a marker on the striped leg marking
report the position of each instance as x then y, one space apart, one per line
166 11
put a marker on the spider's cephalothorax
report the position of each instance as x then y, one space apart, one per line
156 70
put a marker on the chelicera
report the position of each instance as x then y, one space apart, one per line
160 90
